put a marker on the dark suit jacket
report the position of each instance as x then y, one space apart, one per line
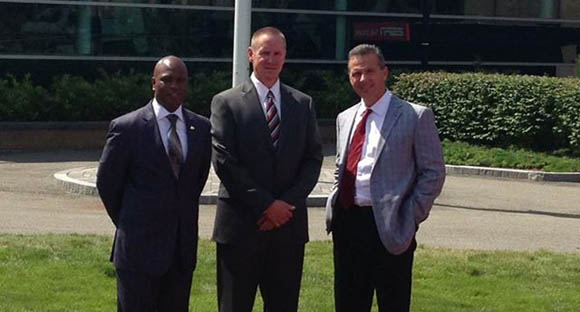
153 211
253 174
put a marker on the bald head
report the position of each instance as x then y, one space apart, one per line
170 82
171 62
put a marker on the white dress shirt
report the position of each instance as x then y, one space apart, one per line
263 93
362 196
165 125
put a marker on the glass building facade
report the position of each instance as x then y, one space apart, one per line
54 36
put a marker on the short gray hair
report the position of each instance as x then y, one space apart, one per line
268 30
364 49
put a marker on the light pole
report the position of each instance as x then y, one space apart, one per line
426 42
242 26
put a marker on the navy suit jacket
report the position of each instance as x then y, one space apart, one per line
155 213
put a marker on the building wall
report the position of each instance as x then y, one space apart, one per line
468 34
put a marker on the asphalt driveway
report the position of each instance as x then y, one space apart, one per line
472 213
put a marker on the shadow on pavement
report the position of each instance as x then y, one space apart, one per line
50 156
530 212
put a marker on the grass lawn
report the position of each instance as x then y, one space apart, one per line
72 273
460 153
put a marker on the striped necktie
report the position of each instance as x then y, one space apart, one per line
272 118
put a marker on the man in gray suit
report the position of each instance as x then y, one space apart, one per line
389 171
151 173
267 154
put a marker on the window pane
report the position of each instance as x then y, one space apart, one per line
114 31
386 6
221 3
308 36
296 4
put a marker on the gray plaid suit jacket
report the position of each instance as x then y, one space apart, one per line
408 174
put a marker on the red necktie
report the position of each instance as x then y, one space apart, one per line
346 191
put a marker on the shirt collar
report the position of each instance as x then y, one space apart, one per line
380 107
161 112
263 90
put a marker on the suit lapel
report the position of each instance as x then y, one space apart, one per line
288 112
192 136
347 124
252 100
391 117
152 134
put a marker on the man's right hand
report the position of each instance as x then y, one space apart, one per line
276 215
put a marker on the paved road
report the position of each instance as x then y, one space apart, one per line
472 213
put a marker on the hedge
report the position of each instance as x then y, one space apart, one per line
74 98
540 113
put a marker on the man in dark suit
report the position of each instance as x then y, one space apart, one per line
390 169
267 154
153 168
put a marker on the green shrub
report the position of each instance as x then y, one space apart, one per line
540 113
74 98
21 100
330 90
567 110
203 87
119 94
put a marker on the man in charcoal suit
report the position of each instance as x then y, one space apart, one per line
267 154
389 171
153 168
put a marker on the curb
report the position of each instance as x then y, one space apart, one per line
77 186
311 202
531 175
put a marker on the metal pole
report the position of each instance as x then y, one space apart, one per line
547 9
426 42
242 26
340 49
84 43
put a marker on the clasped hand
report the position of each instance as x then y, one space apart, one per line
276 215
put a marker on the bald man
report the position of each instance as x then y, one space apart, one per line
153 168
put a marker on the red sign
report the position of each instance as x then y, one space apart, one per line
386 31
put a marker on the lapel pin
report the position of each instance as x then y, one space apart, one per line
191 128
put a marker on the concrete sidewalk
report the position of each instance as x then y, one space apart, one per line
82 180
473 212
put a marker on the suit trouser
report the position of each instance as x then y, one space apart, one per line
141 292
275 268
362 265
